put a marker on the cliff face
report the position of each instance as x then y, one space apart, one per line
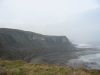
18 44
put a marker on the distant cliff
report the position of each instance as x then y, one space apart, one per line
30 46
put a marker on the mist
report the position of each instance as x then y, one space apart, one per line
76 19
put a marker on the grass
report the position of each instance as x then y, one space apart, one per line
19 67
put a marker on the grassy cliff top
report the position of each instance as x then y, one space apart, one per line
19 67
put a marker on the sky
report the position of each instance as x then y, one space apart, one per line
76 19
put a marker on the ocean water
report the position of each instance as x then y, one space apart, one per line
91 58
91 61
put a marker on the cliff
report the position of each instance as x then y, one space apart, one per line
34 47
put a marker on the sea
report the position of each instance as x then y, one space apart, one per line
88 56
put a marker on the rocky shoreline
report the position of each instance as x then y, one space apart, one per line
86 57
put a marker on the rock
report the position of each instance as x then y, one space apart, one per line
26 45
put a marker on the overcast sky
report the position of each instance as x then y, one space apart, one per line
77 19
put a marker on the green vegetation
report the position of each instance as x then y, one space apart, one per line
22 68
